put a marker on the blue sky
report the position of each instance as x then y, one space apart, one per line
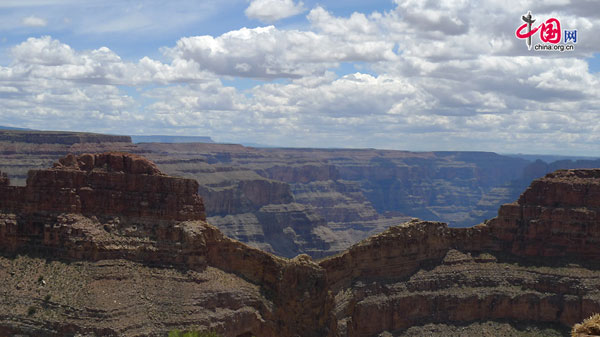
404 74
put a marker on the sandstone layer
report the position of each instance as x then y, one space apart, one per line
356 193
107 184
139 268
57 137
71 268
345 195
537 262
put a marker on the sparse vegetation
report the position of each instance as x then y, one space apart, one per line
589 327
178 333
31 310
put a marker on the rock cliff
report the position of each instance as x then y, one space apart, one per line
108 184
558 215
71 267
107 245
537 263
21 151
346 195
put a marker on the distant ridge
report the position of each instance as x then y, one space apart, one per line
2 127
548 158
171 139
58 137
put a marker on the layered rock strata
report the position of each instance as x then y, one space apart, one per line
538 261
243 291
21 151
152 269
106 184
57 137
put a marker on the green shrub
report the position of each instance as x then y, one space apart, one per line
175 333
179 333
31 310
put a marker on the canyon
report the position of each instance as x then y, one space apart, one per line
83 263
313 201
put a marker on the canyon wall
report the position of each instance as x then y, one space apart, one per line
112 270
108 183
314 201
350 194
538 261
109 218
58 137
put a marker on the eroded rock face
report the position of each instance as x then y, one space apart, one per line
106 184
140 270
558 215
536 263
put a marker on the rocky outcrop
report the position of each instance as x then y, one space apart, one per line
243 196
357 192
558 215
108 184
536 262
247 206
301 173
147 270
21 151
241 290
589 327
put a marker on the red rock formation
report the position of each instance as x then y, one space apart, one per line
423 272
115 206
106 184
558 215
119 207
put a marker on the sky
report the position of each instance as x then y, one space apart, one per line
403 74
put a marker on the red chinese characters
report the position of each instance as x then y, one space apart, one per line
550 31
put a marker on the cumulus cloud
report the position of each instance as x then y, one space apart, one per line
43 51
50 82
426 75
34 21
51 59
273 10
267 52
358 25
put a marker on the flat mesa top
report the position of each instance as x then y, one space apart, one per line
590 176
108 162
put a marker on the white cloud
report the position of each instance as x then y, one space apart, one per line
273 10
34 21
357 25
51 85
50 59
43 51
267 52
431 75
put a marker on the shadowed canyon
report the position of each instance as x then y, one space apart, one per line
102 237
